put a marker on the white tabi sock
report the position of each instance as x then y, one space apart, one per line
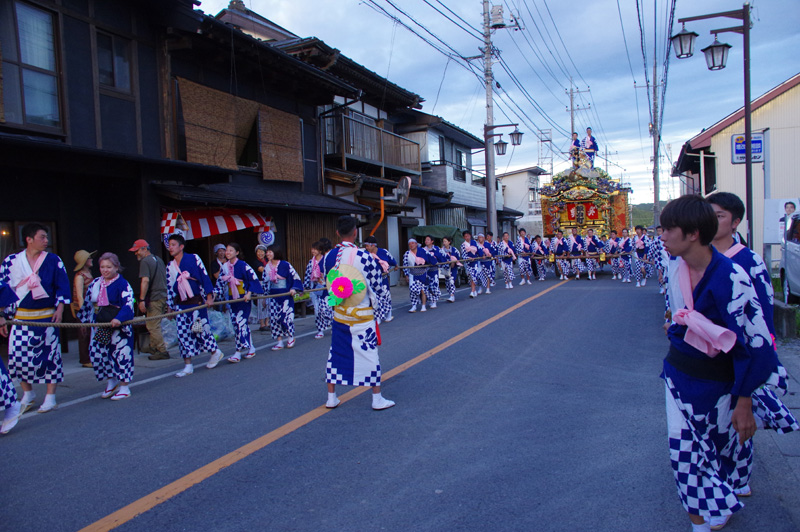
28 397
188 368
331 396
49 400
376 398
705 527
124 389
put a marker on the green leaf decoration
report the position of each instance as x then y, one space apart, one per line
334 301
358 286
333 275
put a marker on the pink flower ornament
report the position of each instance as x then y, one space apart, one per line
342 287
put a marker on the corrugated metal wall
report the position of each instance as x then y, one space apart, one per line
455 216
782 117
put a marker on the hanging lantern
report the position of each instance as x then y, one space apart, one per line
716 54
683 43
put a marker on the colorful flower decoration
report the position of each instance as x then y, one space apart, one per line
342 287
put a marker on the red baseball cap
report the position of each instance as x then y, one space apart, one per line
141 243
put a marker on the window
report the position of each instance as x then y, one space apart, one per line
534 206
31 95
459 170
113 61
434 151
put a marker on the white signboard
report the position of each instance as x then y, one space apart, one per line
776 213
739 153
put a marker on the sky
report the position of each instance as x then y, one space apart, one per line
558 41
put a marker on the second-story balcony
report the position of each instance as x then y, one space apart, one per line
351 144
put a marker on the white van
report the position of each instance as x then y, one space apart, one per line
790 262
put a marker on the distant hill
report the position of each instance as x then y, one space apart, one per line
642 214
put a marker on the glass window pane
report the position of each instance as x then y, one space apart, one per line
8 36
105 59
41 98
36 37
122 67
12 98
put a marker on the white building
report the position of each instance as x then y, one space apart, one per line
521 193
776 114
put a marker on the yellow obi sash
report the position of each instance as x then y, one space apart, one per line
353 315
34 314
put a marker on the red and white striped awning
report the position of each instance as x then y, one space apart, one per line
208 222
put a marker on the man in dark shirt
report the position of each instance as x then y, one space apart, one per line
152 296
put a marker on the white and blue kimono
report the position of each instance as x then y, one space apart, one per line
625 259
388 258
246 281
576 248
450 272
417 276
612 247
540 251
432 283
524 246
593 247
474 269
8 394
115 359
34 353
487 265
660 257
707 459
491 269
642 249
281 309
353 357
560 248
589 145
507 248
323 313
191 344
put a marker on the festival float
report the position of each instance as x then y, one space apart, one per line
584 197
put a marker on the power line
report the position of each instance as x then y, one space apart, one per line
478 36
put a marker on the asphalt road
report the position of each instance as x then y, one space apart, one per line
547 418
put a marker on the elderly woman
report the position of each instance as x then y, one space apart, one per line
281 278
237 280
262 306
109 299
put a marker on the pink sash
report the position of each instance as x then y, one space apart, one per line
232 281
102 296
733 250
701 333
33 281
184 288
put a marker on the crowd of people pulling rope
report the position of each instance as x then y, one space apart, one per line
721 372
35 289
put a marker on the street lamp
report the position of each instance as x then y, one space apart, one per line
716 56
500 146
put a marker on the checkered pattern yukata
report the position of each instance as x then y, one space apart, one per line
34 353
281 309
191 344
353 357
450 272
707 459
525 268
8 394
323 313
417 277
474 268
114 360
240 312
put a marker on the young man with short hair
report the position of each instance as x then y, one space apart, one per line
43 290
353 357
188 285
720 354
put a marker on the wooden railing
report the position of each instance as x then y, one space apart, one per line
351 138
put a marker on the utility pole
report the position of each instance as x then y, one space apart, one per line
572 92
656 126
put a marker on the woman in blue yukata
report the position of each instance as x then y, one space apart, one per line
507 250
238 280
625 262
450 271
281 278
109 299
720 361
314 280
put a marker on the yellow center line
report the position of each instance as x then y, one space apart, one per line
148 502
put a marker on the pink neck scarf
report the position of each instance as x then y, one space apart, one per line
231 279
733 250
701 333
33 281
102 297
184 288
316 273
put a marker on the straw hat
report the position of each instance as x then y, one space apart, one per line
81 256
